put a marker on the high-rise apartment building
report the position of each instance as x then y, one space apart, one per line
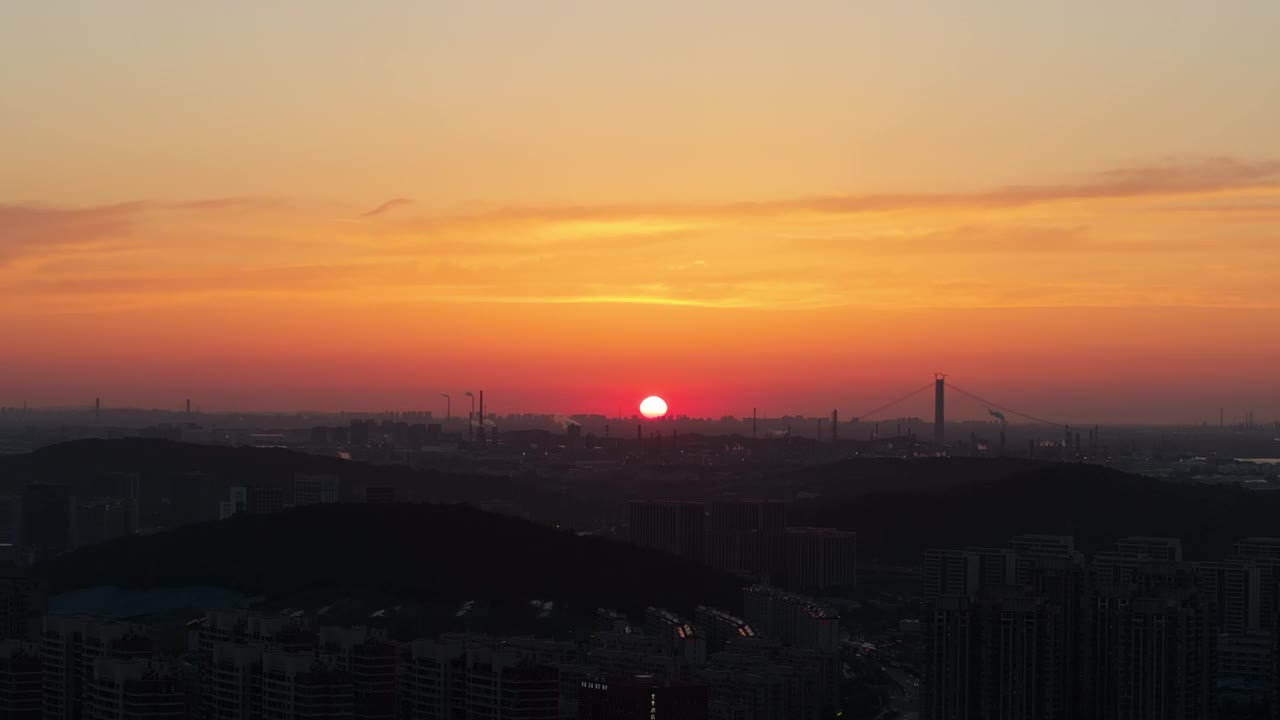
1243 590
358 434
122 689
763 680
1152 548
502 685
21 680
1030 549
678 528
430 679
215 628
965 573
746 537
821 558
263 500
101 519
997 655
952 672
370 659
678 633
23 604
304 686
1259 547
791 619
1048 635
231 684
315 489
45 519
719 627
69 648
469 677
1150 656
376 494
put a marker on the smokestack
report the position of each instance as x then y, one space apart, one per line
188 406
606 432
835 425
480 428
753 423
939 419
639 435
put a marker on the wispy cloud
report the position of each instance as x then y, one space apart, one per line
391 204
1110 238
1171 179
26 229
223 203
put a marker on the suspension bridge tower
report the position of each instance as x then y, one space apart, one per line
939 415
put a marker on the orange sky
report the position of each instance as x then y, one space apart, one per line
1077 214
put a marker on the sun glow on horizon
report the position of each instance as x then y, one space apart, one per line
653 407
581 203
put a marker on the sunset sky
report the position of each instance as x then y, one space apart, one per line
1071 207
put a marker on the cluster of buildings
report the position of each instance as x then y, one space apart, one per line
779 662
45 519
395 433
750 539
1037 630
307 489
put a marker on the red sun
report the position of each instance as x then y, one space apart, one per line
653 407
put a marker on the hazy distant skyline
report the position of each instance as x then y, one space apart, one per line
800 206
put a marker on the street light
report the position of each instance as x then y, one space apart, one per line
447 410
471 419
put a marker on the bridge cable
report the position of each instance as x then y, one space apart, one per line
888 405
1011 411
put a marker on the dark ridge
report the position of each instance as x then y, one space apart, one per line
867 476
79 462
415 553
78 457
1095 504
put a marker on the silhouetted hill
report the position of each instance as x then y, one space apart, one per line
414 553
160 463
899 507
151 455
1095 504
893 476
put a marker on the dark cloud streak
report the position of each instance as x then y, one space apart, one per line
387 206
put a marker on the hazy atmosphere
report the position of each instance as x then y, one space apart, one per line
302 205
